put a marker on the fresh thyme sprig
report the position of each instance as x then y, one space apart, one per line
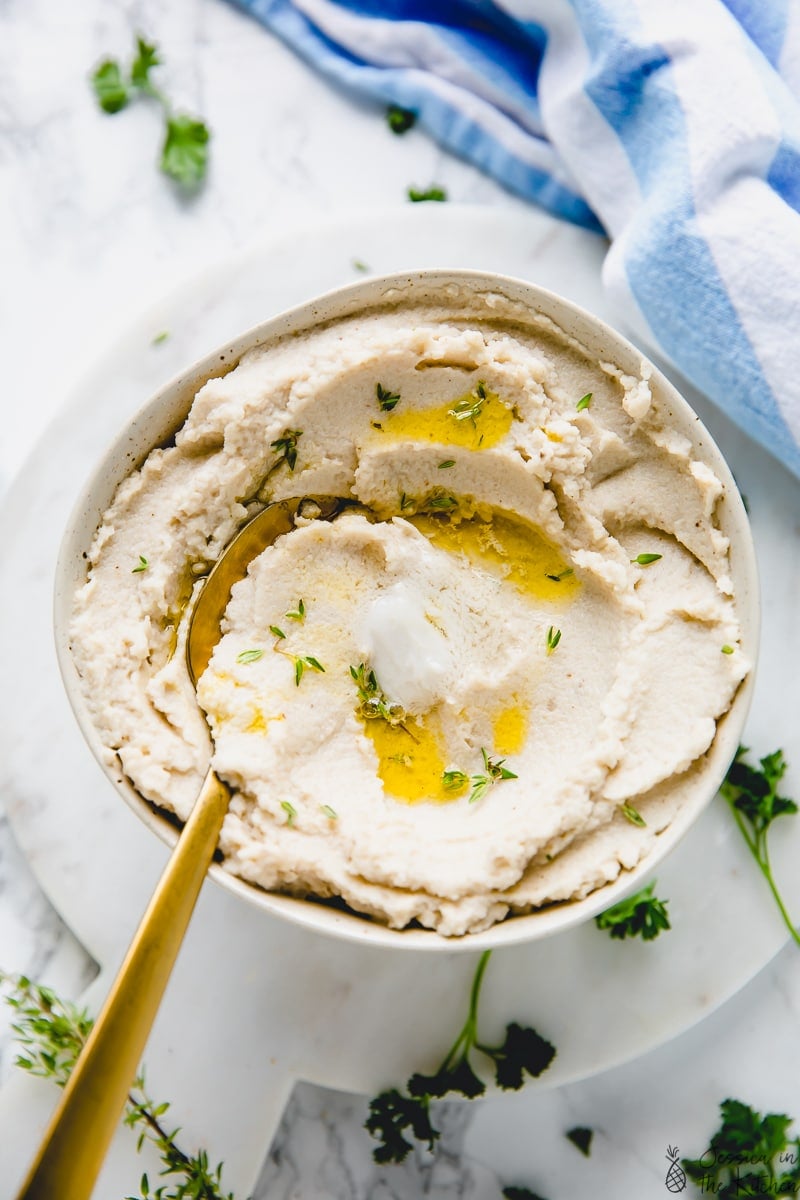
301 662
552 639
470 407
645 560
142 565
393 1112
386 400
374 703
297 614
286 448
752 794
494 772
641 914
52 1033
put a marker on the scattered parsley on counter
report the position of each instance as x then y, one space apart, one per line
749 1155
752 794
52 1033
581 1138
584 402
184 152
639 915
393 1112
644 560
431 193
400 120
495 771
387 400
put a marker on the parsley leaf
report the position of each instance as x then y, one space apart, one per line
523 1050
146 58
391 1113
640 914
432 193
581 1138
752 794
184 154
400 120
109 86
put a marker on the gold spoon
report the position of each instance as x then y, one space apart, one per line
80 1130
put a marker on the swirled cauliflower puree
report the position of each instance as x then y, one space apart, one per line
481 687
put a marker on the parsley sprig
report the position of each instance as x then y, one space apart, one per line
641 914
752 794
184 151
393 1113
52 1033
494 770
749 1155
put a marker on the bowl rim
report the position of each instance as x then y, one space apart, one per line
161 415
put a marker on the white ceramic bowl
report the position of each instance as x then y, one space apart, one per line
164 414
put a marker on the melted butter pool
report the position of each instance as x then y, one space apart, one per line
473 421
507 547
410 760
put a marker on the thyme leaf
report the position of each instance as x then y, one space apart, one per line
584 402
386 400
644 560
553 638
494 771
286 449
249 656
142 565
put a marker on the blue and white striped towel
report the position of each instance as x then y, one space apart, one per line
674 127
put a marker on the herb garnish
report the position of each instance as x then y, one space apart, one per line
633 815
142 565
359 266
431 193
454 781
286 448
494 772
300 661
749 1155
644 560
754 801
584 402
392 1113
290 810
300 665
561 575
400 120
249 656
160 337
581 1137
330 813
444 466
297 614
470 407
640 914
277 632
184 151
726 649
440 500
386 399
374 703
52 1033
553 638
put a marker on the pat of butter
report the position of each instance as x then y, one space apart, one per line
411 658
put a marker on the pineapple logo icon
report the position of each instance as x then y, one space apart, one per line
676 1176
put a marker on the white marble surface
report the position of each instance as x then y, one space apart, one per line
90 234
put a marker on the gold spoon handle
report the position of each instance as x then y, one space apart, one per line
80 1130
